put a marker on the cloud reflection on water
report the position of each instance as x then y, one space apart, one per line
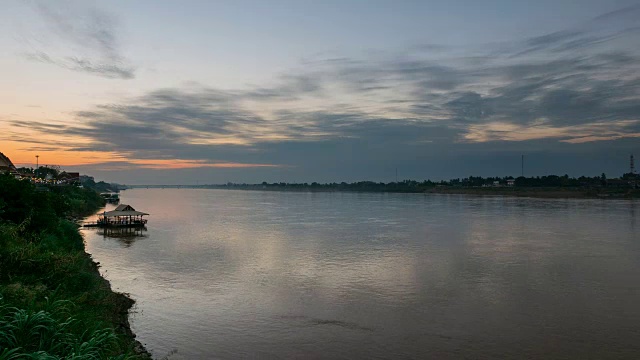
223 271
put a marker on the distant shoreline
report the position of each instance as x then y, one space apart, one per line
533 192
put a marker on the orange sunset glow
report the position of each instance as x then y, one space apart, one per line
86 88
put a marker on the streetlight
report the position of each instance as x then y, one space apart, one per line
37 156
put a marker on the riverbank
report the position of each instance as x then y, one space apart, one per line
549 192
532 192
53 301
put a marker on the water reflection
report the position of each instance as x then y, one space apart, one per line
632 210
125 235
236 274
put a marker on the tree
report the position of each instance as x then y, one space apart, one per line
25 170
52 170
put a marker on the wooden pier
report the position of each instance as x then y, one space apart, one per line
122 217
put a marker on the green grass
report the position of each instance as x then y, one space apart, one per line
53 302
51 334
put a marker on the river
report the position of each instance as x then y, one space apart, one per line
222 274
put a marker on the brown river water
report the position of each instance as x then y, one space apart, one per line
222 274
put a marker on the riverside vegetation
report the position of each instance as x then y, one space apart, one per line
550 186
53 302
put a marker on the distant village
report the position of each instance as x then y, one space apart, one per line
42 175
52 176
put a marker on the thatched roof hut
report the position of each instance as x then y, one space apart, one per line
123 210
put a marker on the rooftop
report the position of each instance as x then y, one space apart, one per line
123 210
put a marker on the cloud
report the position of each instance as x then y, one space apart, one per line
561 41
289 87
624 15
186 164
600 131
88 37
576 90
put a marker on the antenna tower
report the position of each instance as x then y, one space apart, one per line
632 168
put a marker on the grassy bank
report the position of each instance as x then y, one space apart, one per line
53 302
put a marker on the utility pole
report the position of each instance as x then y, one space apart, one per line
522 166
37 156
632 171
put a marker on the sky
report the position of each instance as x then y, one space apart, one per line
207 92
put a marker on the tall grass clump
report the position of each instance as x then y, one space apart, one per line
30 334
53 302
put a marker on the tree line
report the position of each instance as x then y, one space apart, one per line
548 181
